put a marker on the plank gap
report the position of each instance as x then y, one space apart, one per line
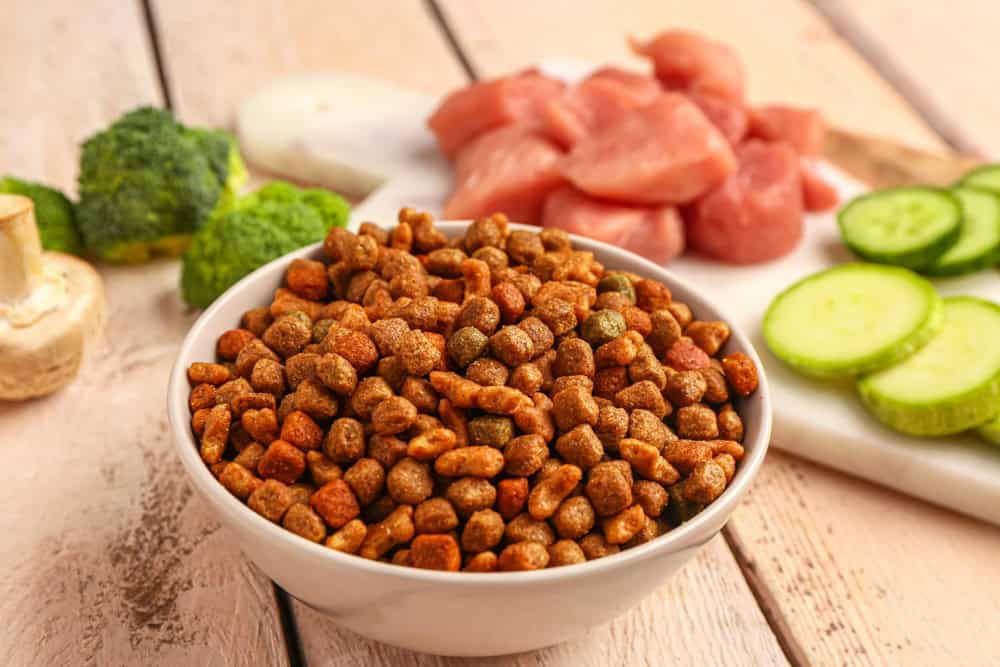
289 628
768 606
452 39
155 46
867 46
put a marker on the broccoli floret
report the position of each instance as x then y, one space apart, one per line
258 228
148 182
53 213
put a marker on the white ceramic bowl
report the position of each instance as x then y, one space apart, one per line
462 614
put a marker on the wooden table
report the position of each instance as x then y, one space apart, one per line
108 558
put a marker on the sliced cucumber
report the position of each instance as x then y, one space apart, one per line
952 384
908 227
986 177
852 319
990 431
978 244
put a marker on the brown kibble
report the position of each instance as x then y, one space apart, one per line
387 334
336 503
271 500
525 454
730 424
512 495
535 421
476 274
709 336
644 426
395 529
580 446
337 374
612 425
483 530
257 320
619 352
431 443
304 522
419 354
477 461
740 373
697 422
705 483
410 482
420 393
460 392
487 372
574 357
623 526
393 415
565 552
307 279
643 396
527 378
541 336
378 510
355 346
686 454
645 459
366 479
455 419
681 313
471 494
289 334
349 538
574 406
610 381
501 400
300 430
435 515
650 531
574 518
201 398
651 496
283 462
510 301
730 447
301 492
216 434
479 312
664 333
554 239
238 480
558 315
646 367
524 247
544 499
268 376
300 368
684 355
524 528
315 400
481 562
512 346
435 552
371 229
637 320
609 488
594 546
491 231
651 295
226 393
204 373
728 464
370 392
321 468
250 456
686 388
232 342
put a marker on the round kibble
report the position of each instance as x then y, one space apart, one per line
466 345
602 326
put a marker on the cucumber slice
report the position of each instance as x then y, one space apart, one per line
986 177
908 227
990 431
978 244
952 384
852 319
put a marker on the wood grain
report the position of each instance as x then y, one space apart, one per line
701 617
107 558
849 573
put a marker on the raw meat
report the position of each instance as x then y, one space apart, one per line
510 170
756 215
470 111
731 118
686 61
666 152
654 232
802 128
817 194
642 85
592 105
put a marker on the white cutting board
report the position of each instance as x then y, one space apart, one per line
821 421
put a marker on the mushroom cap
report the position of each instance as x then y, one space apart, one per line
39 359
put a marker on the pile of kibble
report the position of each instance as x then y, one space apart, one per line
494 402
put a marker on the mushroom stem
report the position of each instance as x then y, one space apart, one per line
20 250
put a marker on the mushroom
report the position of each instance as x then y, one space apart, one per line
51 306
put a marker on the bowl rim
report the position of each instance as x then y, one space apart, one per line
691 534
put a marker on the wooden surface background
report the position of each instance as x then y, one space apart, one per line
108 557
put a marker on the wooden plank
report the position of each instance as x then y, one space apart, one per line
835 560
212 96
939 56
255 41
107 557
682 623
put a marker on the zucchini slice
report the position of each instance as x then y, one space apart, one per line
986 177
990 431
909 227
952 384
852 319
978 244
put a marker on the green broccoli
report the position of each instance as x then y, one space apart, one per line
258 228
53 213
148 182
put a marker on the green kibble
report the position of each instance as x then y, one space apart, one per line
466 345
617 282
491 430
602 327
321 329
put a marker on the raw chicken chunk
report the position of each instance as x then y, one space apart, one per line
686 61
802 128
666 152
642 86
756 215
470 111
817 194
590 106
509 170
731 118
655 232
